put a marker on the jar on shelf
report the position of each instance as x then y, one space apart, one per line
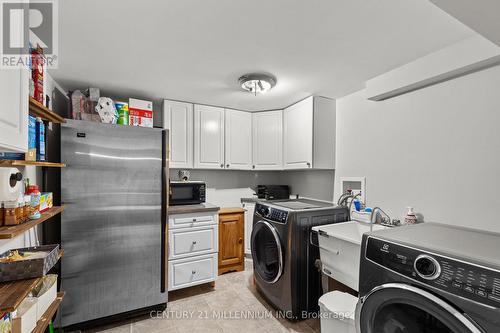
27 207
2 213
10 213
20 210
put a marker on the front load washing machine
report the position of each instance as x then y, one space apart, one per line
429 278
283 257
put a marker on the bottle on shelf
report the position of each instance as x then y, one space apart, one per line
34 193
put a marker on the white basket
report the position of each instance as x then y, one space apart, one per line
364 217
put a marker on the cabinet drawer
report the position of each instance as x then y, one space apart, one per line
188 242
192 220
192 271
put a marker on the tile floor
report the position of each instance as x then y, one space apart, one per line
234 295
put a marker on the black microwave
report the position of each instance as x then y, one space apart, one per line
187 193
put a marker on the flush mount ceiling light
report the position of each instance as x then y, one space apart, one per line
257 83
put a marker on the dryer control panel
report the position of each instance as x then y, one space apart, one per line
455 276
271 213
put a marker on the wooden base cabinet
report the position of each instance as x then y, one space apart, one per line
231 240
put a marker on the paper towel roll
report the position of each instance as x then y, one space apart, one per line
8 192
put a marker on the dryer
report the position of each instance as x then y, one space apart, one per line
283 257
429 277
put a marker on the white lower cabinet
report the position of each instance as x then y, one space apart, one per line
193 243
191 220
189 272
249 212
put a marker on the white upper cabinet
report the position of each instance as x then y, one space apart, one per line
208 137
298 135
14 96
267 140
238 133
309 134
178 119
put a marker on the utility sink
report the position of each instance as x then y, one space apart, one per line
340 248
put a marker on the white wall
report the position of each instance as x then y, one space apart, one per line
225 188
436 149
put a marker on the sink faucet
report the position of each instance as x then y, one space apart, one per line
384 220
344 197
376 211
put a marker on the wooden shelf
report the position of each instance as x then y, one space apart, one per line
34 163
8 232
13 293
42 324
39 110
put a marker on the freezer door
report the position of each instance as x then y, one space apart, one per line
111 230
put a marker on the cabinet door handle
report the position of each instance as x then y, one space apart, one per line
240 240
193 272
227 165
194 220
308 164
194 242
222 165
253 166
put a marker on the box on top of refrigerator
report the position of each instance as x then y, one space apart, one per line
140 112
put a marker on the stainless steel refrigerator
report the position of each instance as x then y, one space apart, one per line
113 230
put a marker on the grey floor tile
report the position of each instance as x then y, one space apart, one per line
233 306
153 325
198 325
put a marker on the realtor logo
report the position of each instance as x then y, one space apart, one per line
26 24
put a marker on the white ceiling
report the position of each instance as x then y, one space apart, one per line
482 16
195 50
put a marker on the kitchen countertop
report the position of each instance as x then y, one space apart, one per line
231 210
199 208
251 200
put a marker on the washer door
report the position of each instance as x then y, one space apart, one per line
266 252
401 308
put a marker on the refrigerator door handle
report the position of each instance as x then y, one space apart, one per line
164 213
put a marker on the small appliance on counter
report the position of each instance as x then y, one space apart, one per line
273 192
187 193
